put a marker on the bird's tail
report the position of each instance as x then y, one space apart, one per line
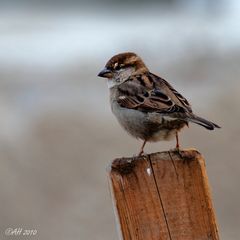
203 122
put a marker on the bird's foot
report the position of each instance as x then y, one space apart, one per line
184 155
178 151
141 153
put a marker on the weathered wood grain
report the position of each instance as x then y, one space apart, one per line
163 196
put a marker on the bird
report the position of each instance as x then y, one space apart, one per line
146 105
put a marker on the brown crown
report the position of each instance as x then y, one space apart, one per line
126 59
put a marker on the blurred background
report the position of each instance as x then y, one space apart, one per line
57 133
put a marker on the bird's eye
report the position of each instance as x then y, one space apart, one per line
116 66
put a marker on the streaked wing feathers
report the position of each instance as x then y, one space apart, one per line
179 96
154 101
152 97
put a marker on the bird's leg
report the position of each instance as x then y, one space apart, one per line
177 149
142 147
177 141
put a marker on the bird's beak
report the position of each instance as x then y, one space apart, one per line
105 73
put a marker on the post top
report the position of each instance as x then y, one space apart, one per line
125 165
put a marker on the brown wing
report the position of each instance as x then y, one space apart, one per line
179 99
148 95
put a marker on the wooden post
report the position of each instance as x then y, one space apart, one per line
163 196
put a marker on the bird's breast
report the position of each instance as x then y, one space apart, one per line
146 126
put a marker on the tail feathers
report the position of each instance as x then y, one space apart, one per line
203 122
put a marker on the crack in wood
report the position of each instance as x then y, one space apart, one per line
159 195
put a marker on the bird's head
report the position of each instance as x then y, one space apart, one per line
121 66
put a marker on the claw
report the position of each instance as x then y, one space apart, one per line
140 153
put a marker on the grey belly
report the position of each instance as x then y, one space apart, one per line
146 126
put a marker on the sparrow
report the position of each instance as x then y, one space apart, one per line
146 105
